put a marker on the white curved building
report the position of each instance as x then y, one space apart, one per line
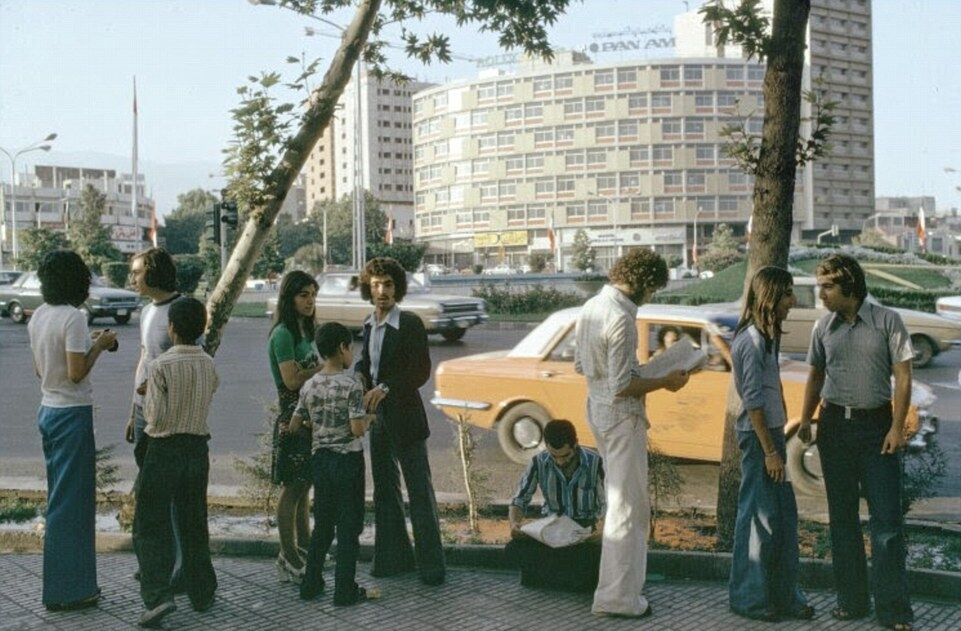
630 152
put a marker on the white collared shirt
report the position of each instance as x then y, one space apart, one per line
377 331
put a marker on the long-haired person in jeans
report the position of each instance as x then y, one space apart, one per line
763 583
63 356
293 360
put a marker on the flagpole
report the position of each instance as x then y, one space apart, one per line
133 195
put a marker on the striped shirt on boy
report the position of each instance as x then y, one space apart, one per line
180 385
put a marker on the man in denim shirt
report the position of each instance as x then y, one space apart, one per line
571 479
854 351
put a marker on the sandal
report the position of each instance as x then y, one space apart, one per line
898 626
840 613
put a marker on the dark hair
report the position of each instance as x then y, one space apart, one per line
64 278
159 269
560 432
330 337
846 272
641 269
292 284
668 328
188 317
768 286
384 266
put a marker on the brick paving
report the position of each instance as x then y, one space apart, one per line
250 597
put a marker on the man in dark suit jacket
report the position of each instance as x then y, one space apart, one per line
394 363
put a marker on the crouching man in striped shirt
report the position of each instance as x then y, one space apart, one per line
572 483
180 385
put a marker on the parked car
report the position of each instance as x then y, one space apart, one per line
435 269
8 276
19 299
930 333
949 307
339 300
517 392
502 269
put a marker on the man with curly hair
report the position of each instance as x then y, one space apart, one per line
394 363
606 343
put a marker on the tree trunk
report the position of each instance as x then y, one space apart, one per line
770 238
261 219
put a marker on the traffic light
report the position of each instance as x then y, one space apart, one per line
228 213
212 224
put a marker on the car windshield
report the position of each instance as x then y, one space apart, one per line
535 343
96 281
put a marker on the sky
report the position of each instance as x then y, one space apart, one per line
67 66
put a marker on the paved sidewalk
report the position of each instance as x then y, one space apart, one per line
250 597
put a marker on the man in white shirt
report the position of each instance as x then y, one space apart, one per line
607 356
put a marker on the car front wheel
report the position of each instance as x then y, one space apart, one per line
16 313
923 351
521 432
121 319
804 464
452 335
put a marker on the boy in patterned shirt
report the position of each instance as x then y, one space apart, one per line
331 402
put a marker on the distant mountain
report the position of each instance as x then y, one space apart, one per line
164 180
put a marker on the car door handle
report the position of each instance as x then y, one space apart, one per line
547 374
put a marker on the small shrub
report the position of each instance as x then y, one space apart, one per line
477 268
190 269
106 475
537 261
17 510
663 482
258 485
718 260
116 272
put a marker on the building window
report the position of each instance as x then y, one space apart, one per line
486 92
640 208
597 210
513 115
693 74
573 107
704 154
575 213
627 130
516 216
544 187
604 80
594 106
694 128
507 189
533 111
596 158
482 167
604 132
726 100
639 155
542 86
670 128
488 192
563 83
515 165
544 137
574 160
704 102
636 103
565 186
606 183
661 103
626 77
535 163
734 75
664 207
487 143
536 212
755 73
695 182
505 140
673 182
705 204
670 76
564 135
663 155
630 182
505 90
727 205
479 118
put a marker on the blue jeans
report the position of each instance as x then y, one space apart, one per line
764 564
139 423
338 509
852 464
69 552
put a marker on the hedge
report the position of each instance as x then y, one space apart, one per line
537 299
190 269
917 299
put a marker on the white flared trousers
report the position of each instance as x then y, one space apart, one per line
622 442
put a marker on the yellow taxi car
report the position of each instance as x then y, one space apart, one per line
517 392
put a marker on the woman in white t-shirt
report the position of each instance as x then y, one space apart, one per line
63 356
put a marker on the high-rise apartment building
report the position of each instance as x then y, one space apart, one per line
839 188
385 167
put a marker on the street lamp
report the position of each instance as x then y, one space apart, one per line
36 146
697 213
359 228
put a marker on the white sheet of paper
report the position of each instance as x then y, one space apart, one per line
682 355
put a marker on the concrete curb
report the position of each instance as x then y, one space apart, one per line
661 564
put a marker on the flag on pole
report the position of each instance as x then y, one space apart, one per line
921 229
133 167
152 231
389 235
551 237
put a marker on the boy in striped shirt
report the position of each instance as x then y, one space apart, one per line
176 466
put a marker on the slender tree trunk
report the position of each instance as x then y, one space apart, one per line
315 121
770 238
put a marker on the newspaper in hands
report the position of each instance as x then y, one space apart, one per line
681 355
556 531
